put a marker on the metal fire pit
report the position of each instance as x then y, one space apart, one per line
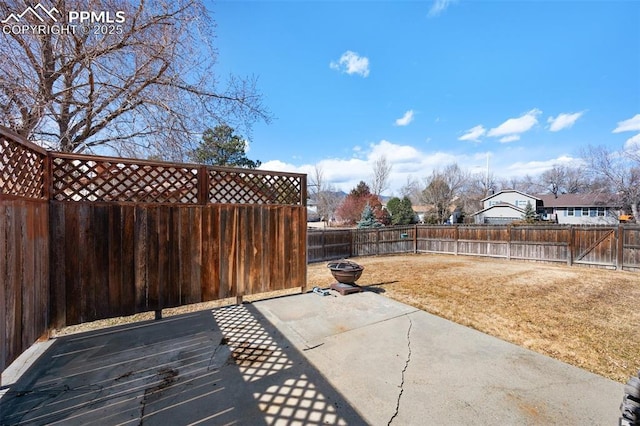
345 271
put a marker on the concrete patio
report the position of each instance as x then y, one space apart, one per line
302 359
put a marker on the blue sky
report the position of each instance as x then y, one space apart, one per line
429 83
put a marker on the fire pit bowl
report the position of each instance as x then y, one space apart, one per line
345 271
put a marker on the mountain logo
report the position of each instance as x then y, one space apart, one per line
39 12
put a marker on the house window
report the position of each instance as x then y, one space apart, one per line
578 212
600 211
570 211
593 212
585 211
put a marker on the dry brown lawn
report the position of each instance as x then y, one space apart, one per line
583 316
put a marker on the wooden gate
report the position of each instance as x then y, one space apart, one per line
594 246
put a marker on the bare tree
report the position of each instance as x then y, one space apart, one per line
316 181
325 195
576 181
561 179
380 178
147 85
443 188
554 179
479 186
411 189
620 171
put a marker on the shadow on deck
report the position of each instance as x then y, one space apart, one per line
226 366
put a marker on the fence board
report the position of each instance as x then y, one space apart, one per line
26 229
328 245
24 275
217 250
57 264
210 278
13 292
128 266
195 253
630 248
5 357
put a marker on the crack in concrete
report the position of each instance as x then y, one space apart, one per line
404 370
224 341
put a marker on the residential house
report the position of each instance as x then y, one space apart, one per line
580 209
505 207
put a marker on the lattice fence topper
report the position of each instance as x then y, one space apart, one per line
251 187
77 178
21 170
94 179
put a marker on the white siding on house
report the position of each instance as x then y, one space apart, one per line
593 216
514 198
499 214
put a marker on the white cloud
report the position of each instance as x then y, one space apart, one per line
405 119
395 153
630 125
409 162
532 168
439 6
633 144
345 173
510 138
563 121
473 134
351 63
516 126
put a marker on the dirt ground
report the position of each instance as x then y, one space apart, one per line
583 316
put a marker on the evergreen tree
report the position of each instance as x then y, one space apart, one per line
401 211
361 190
368 219
221 147
529 215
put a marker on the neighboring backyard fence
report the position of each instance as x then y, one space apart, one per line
612 247
86 237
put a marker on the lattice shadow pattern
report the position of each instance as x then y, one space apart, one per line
21 170
294 401
252 348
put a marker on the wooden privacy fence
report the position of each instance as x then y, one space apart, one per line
24 246
88 237
613 247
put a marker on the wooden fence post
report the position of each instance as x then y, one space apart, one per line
351 243
570 246
415 238
509 242
48 177
456 237
620 248
203 185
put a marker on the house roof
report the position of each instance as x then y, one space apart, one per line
511 206
504 191
579 200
